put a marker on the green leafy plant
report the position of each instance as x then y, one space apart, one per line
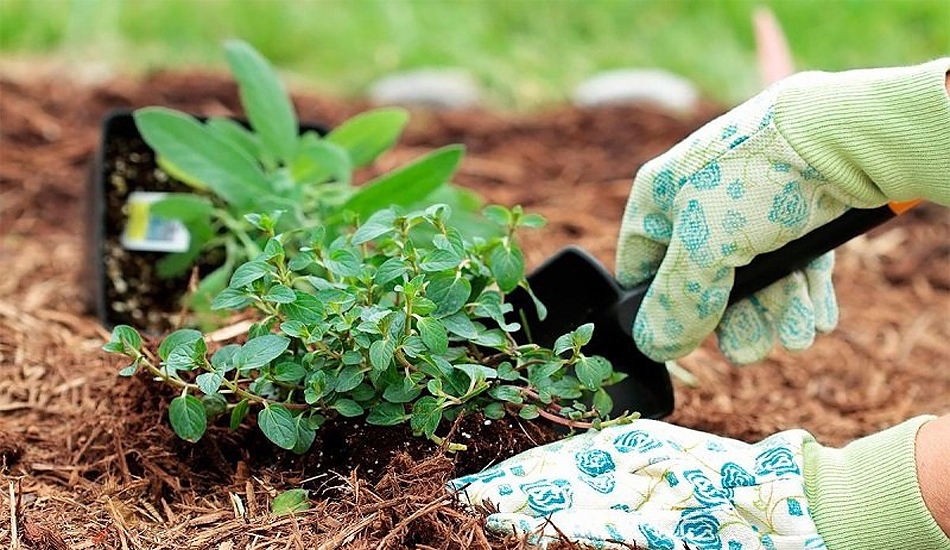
375 323
301 180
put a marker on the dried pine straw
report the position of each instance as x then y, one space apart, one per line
87 460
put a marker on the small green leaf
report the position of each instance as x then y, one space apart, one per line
238 413
494 410
459 324
289 502
379 224
280 294
279 425
592 371
215 405
125 340
477 372
264 98
386 414
187 355
532 220
402 392
260 351
367 135
563 343
209 382
440 260
433 334
187 416
305 436
349 377
247 273
129 370
507 266
223 359
603 404
391 269
507 372
491 338
305 308
426 415
347 407
498 214
582 335
344 263
288 371
181 336
230 298
381 354
510 394
528 412
449 293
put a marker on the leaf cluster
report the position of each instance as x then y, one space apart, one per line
381 324
300 179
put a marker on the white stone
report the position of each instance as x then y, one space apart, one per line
439 88
655 86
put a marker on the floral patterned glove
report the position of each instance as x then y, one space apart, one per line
733 190
785 162
654 486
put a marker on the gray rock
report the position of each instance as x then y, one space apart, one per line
436 88
655 86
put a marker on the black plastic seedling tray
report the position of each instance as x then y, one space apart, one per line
124 287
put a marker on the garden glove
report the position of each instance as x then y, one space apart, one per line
787 161
656 486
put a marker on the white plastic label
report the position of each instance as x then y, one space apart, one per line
148 232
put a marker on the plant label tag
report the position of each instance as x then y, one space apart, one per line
147 231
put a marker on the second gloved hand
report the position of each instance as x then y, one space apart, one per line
769 171
655 486
735 189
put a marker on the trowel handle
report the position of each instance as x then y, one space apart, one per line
769 267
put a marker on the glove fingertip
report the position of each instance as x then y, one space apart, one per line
797 324
664 333
744 334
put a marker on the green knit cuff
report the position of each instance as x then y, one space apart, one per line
865 496
878 134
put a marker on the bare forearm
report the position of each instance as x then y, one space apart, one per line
933 466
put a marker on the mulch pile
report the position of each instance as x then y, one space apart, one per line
87 460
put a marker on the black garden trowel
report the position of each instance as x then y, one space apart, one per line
577 289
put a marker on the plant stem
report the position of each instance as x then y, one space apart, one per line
564 421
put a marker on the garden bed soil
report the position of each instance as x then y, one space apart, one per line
91 462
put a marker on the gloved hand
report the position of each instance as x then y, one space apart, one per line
653 485
785 162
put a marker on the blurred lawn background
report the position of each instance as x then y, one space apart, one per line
526 53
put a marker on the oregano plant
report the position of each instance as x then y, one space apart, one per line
382 324
299 179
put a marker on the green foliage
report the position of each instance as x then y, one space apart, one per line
288 502
300 181
378 323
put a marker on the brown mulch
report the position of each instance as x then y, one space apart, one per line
90 462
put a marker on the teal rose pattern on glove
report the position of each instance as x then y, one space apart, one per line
655 485
733 190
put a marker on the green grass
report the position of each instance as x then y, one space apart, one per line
525 52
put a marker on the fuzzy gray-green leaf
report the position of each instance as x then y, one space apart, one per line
265 100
